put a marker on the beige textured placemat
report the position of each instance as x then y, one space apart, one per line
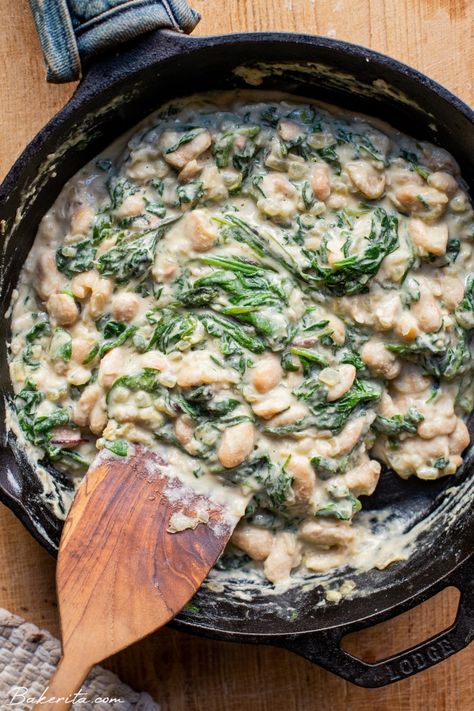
28 658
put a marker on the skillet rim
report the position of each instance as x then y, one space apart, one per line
110 70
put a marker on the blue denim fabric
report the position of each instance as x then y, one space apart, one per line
71 31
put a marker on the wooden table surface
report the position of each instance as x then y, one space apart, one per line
182 672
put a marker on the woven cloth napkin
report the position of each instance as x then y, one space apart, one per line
28 658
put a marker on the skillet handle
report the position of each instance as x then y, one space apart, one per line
113 67
324 648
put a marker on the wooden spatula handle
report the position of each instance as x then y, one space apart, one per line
123 569
66 681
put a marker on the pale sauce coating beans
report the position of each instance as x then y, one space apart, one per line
279 295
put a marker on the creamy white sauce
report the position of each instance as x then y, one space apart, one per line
213 179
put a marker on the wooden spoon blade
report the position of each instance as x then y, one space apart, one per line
121 574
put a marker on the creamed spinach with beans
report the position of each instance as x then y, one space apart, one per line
280 296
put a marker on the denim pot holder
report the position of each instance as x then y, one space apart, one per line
72 31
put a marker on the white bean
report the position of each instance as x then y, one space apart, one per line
324 560
236 444
444 182
62 309
198 368
320 181
125 306
98 417
416 456
430 239
49 279
437 424
284 556
275 401
83 407
145 164
89 285
293 414
379 360
184 429
337 329
304 478
459 438
426 310
81 220
288 130
407 327
254 541
186 152
452 290
363 479
189 171
421 200
281 197
341 382
153 359
411 380
437 158
77 375
266 374
132 206
200 231
347 439
326 532
213 184
111 366
369 181
81 347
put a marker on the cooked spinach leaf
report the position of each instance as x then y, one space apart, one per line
61 345
465 310
343 509
115 334
76 258
334 415
172 328
118 447
119 190
189 194
227 145
326 467
351 275
103 229
439 354
263 245
415 165
184 138
40 327
309 357
398 423
330 155
130 258
170 403
228 331
39 429
277 490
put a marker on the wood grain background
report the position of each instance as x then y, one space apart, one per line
182 672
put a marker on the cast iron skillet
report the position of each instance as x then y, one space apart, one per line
118 91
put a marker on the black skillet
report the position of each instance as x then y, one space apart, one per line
117 91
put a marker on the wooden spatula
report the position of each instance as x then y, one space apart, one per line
121 574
